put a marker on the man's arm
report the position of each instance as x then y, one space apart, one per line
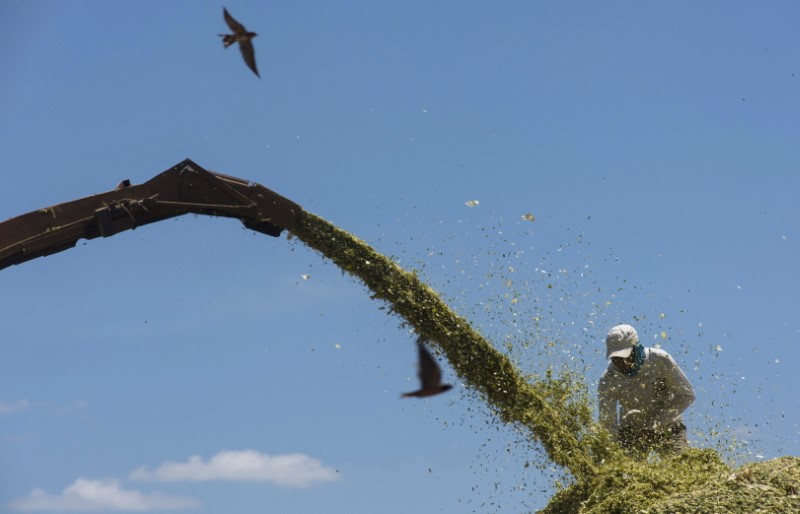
680 393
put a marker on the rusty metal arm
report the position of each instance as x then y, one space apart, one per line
184 188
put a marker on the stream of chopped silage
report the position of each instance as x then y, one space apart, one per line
554 412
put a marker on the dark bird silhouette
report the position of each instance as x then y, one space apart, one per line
244 38
429 373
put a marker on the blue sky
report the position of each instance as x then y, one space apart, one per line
190 366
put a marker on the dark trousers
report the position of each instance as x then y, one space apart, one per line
671 440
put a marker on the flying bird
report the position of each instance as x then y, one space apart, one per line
244 38
430 376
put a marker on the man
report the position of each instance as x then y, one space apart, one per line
642 395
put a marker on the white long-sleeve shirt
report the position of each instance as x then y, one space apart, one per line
652 399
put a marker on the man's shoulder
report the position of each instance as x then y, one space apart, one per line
659 352
609 376
659 355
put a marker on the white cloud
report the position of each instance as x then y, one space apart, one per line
100 495
9 407
292 470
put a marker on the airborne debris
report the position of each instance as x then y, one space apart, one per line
472 203
556 411
528 217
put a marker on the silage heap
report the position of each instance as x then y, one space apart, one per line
556 414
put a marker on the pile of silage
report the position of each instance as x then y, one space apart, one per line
697 481
555 411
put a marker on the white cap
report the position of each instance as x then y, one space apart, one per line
620 341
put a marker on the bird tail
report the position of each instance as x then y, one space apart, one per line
227 39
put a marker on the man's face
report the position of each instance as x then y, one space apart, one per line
623 364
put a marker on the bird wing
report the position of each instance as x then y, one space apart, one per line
249 55
234 25
429 372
